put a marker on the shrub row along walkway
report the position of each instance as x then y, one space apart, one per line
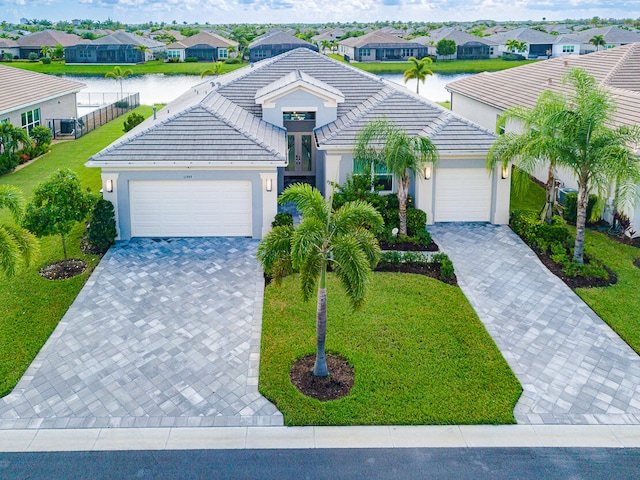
573 368
164 333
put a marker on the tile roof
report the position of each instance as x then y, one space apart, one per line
219 120
23 87
457 36
204 38
50 38
612 34
528 35
277 37
125 38
377 37
617 68
8 43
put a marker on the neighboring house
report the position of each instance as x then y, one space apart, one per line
330 35
539 44
34 42
379 46
165 33
119 47
613 36
483 97
275 43
9 47
468 47
29 99
494 30
214 161
205 46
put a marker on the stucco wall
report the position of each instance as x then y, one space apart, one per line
60 107
301 101
484 115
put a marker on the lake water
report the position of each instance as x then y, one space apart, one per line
158 88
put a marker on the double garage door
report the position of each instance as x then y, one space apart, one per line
190 208
462 195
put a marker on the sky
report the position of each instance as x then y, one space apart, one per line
314 11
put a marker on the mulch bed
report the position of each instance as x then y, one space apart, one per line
337 385
577 282
409 247
431 270
63 269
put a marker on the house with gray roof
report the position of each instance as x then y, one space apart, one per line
119 47
380 46
214 161
9 48
539 44
275 43
468 47
30 99
614 36
482 98
33 42
204 46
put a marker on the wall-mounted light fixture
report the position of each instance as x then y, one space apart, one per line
427 172
109 185
269 184
505 172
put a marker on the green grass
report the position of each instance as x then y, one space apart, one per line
618 305
442 66
155 66
530 197
420 353
30 306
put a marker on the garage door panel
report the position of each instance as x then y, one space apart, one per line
462 195
190 208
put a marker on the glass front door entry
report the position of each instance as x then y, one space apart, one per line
302 161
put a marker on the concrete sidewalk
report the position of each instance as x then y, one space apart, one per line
184 438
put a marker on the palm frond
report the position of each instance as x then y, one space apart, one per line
356 214
309 237
310 270
307 199
11 199
9 253
368 244
274 252
352 267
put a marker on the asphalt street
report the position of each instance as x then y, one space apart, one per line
410 463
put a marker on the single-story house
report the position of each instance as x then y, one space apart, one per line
162 34
29 99
213 162
379 46
9 48
468 47
614 36
275 43
539 44
330 35
34 42
119 47
482 98
204 46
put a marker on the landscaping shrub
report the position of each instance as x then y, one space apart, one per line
45 60
132 120
539 234
42 137
446 267
172 60
232 61
121 104
8 162
33 56
101 231
416 221
571 207
282 219
191 60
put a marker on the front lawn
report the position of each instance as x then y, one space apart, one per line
30 306
618 305
420 353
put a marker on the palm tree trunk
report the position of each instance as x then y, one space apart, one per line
551 194
581 220
403 186
418 86
320 369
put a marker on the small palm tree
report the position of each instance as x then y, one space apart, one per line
340 239
418 70
382 142
119 74
597 41
142 49
216 70
324 44
45 51
18 247
11 138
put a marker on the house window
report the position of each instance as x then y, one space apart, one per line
606 47
30 119
173 53
298 116
365 52
261 54
380 175
407 52
568 48
223 53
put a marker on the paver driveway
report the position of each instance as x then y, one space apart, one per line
164 333
573 368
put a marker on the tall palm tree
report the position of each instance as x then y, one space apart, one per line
597 154
119 74
18 247
382 142
597 41
418 70
536 146
340 239
216 70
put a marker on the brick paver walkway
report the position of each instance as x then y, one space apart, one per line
164 333
573 368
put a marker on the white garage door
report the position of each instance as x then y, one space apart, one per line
462 195
190 208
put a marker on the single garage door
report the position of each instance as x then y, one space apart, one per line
462 195
190 208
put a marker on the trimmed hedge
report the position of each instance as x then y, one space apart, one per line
571 207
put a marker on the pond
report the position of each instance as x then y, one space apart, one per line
158 88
